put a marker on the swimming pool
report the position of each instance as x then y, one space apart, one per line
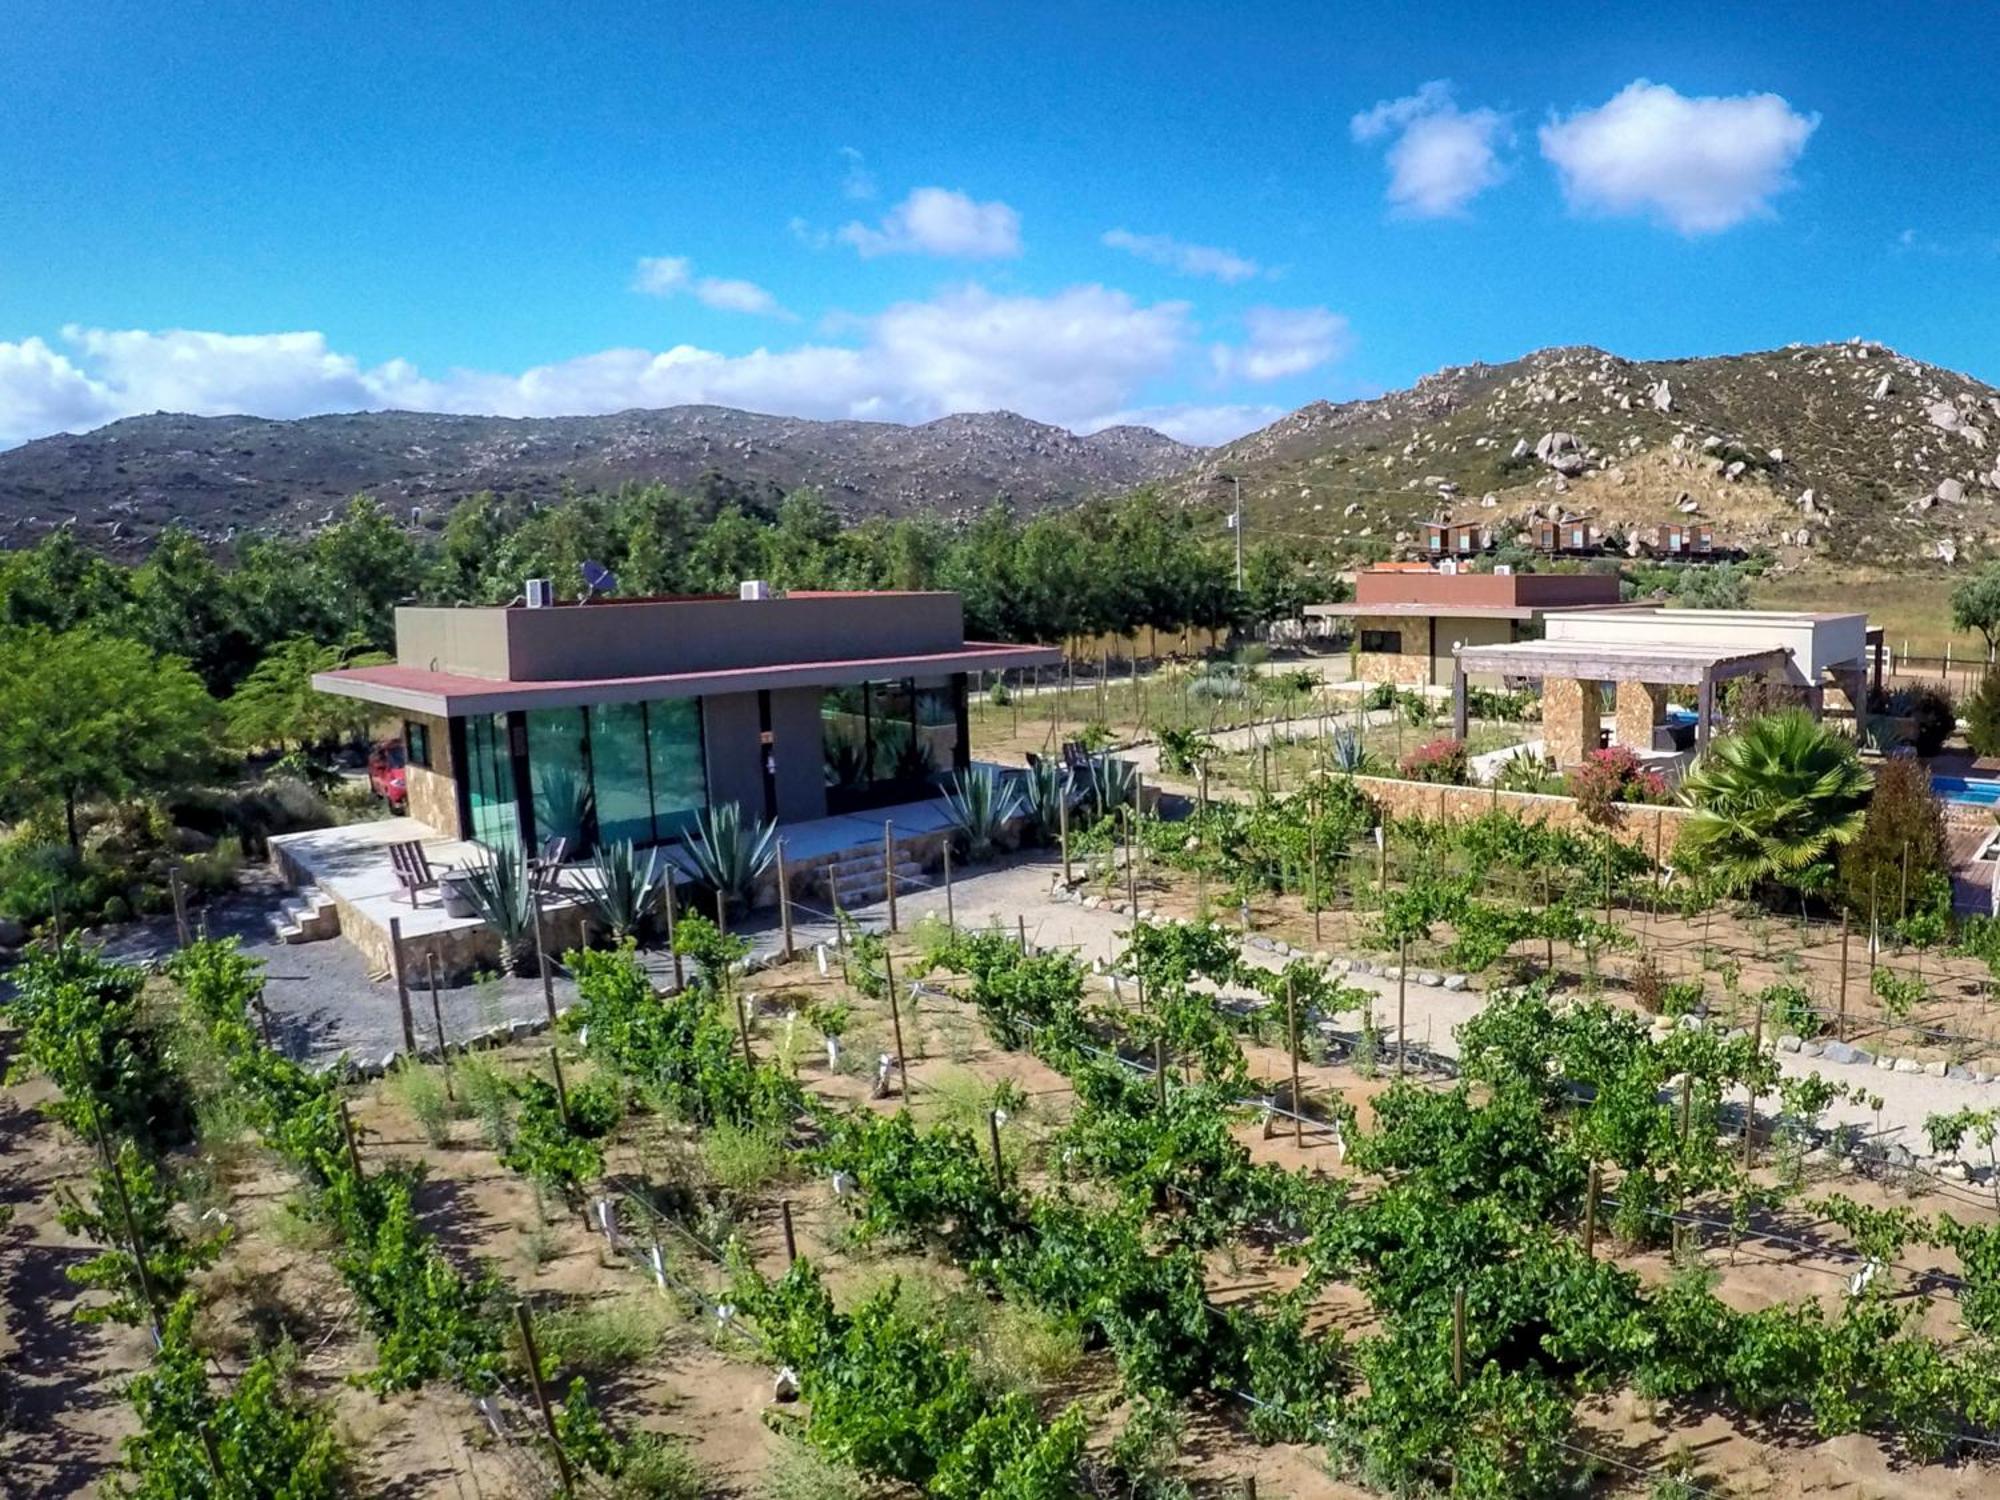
1973 793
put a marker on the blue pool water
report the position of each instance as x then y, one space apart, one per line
1958 789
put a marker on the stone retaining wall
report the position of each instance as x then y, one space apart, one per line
1649 828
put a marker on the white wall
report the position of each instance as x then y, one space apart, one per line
1816 642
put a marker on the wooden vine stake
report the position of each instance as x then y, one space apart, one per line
1590 1196
437 1020
527 1323
1458 1339
791 1237
896 1021
950 911
1160 1067
1840 1023
889 870
1750 1099
1402 987
562 1089
542 958
145 1274
993 1138
672 918
1292 1030
785 902
403 987
347 1134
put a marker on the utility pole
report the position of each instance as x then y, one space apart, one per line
1236 523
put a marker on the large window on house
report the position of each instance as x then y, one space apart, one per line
884 740
1382 642
680 777
615 772
559 774
620 779
843 728
892 731
937 723
488 773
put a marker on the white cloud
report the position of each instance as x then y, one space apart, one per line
669 275
857 181
1077 358
1282 341
662 275
1699 164
940 221
1441 157
43 391
181 369
1177 255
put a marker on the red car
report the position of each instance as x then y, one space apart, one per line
386 774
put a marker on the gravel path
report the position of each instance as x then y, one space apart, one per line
323 1004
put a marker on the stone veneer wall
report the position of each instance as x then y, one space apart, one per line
1412 668
1650 828
1638 709
433 792
1572 719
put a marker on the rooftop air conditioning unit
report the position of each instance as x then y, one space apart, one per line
541 593
753 588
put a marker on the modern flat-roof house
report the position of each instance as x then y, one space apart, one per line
1410 624
1639 653
621 719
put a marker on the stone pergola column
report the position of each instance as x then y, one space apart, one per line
1572 718
1849 691
1640 708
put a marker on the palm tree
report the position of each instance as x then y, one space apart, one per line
1772 802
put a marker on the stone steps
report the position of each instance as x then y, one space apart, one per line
307 916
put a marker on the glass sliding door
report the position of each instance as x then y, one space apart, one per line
493 813
620 777
892 731
679 775
937 724
559 772
843 718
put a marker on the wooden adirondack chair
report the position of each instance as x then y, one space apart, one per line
414 871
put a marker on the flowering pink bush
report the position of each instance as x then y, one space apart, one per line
1442 761
1614 775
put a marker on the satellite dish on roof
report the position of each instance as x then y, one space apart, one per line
598 579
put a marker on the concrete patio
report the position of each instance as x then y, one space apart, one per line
345 886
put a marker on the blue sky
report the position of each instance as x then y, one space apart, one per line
1194 216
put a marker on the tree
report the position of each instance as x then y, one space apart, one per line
1982 715
1902 836
183 605
1975 605
277 705
84 714
1773 801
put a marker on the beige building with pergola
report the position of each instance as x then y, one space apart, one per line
1638 654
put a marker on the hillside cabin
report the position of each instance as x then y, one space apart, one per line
1569 536
1682 539
1456 539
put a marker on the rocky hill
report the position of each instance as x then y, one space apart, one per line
225 476
1835 450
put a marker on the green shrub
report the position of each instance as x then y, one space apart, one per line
591 1338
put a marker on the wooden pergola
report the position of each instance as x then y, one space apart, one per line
1669 665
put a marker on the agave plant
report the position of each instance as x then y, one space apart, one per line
981 803
621 890
846 766
731 855
1043 790
1345 752
565 805
1772 802
501 891
1113 784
